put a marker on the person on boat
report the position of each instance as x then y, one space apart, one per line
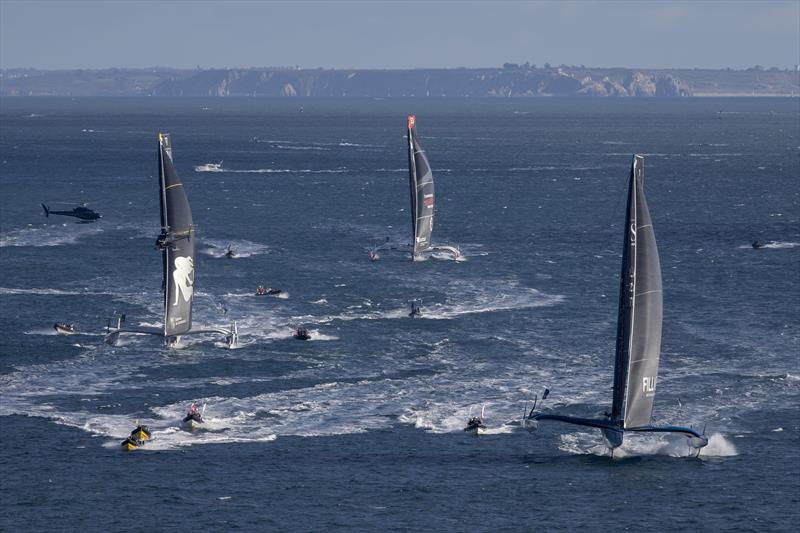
261 291
63 328
302 334
141 433
474 423
230 252
758 244
193 414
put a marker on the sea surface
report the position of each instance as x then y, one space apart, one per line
361 427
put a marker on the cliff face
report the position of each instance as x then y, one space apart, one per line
436 83
512 80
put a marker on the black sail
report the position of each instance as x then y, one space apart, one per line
640 312
177 244
421 182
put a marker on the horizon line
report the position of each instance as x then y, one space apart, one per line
508 66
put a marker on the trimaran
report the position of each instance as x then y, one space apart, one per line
422 199
638 332
176 243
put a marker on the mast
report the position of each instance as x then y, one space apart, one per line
640 312
422 191
163 146
412 178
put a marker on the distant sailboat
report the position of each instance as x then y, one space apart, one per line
422 202
176 243
638 331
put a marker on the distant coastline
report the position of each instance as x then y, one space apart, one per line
510 80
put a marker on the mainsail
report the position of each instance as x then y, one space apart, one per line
421 181
640 312
638 332
176 242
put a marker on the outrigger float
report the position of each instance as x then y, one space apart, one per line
638 333
177 246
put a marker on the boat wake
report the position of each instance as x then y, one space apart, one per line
210 167
241 248
289 171
465 299
83 392
52 332
47 292
48 235
642 445
462 298
774 245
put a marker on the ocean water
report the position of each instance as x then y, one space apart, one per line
361 428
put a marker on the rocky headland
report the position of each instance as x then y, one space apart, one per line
510 80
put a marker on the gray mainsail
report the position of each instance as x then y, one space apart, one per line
177 244
638 332
640 312
421 182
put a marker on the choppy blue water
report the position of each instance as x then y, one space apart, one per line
362 427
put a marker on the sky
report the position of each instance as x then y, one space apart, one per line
67 34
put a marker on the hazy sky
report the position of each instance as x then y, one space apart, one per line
398 34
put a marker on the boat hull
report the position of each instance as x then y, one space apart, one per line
61 330
612 438
130 444
140 435
191 425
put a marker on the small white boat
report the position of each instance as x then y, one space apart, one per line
193 418
191 423
302 334
62 328
475 425
209 167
